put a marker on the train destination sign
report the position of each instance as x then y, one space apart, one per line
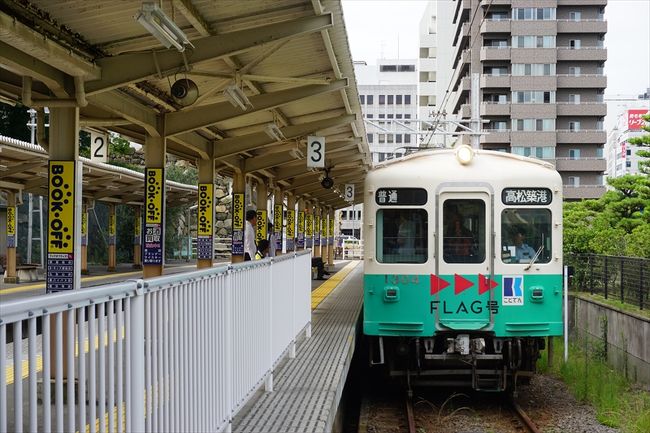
401 196
526 196
60 229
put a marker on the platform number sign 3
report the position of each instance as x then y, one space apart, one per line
98 147
315 151
348 194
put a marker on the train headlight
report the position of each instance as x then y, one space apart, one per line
465 154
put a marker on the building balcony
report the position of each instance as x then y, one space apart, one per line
592 136
586 81
495 109
533 111
597 54
581 2
582 109
492 3
581 164
527 82
582 26
534 55
584 191
533 138
495 26
463 84
495 53
461 13
524 27
495 81
495 136
465 111
462 34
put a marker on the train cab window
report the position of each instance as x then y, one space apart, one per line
526 235
464 231
401 236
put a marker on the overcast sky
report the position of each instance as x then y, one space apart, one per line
375 27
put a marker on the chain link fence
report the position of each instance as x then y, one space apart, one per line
622 278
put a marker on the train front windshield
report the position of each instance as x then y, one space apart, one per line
401 236
526 235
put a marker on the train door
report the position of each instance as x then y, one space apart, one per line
462 286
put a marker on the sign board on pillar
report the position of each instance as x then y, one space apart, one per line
315 151
98 147
277 226
238 206
112 228
331 230
316 230
137 231
301 229
153 216
291 229
84 227
60 230
205 220
348 192
309 230
262 225
11 226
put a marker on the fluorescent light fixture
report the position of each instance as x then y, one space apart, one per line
162 27
237 97
273 131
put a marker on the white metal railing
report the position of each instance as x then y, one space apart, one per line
352 249
176 353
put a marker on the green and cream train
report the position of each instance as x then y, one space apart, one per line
462 266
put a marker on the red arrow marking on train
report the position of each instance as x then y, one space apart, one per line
461 284
437 284
485 284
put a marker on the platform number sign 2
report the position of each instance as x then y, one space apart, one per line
315 151
348 194
98 147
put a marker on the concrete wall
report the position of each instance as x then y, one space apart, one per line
627 336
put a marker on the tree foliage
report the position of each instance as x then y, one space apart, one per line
643 141
13 122
618 223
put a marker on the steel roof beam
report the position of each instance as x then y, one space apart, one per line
120 70
232 146
129 109
189 120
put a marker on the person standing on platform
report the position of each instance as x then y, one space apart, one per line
249 235
272 240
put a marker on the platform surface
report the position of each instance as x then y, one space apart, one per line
308 388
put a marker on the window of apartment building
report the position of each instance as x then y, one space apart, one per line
390 99
574 126
388 68
599 152
495 98
533 124
574 153
628 164
407 99
496 70
370 137
362 98
369 99
574 70
498 125
533 14
574 181
382 99
398 116
398 138
533 41
574 98
628 152
390 138
406 68
574 16
369 116
575 44
382 138
542 152
533 97
344 214
407 116
398 99
496 43
498 16
533 69
407 138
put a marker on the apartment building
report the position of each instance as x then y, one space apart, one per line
541 82
388 94
622 156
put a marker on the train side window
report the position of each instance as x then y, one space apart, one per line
464 231
401 236
524 233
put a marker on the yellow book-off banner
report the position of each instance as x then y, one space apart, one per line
260 232
111 225
309 225
154 195
277 218
291 224
61 207
11 221
331 233
301 222
206 209
238 211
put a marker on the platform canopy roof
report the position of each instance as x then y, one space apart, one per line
289 57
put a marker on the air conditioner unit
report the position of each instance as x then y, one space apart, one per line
237 97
